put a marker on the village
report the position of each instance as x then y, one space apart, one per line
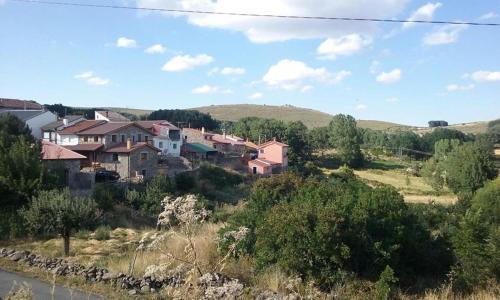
113 148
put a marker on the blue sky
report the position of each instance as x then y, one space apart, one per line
405 74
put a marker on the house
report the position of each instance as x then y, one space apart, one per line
57 158
167 137
16 104
110 116
227 144
35 119
139 160
272 158
69 135
49 131
198 151
124 147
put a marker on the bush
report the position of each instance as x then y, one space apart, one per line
82 234
185 182
106 195
384 286
219 177
102 233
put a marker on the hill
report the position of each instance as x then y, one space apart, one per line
310 117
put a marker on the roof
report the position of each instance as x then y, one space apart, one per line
273 142
251 145
106 128
112 116
23 115
198 148
197 130
19 104
263 162
122 148
84 147
149 124
228 139
57 124
81 126
51 151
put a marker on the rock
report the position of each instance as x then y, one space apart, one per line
132 292
107 276
145 289
18 255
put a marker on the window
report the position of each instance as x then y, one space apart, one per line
139 137
115 157
133 138
146 138
113 138
85 138
144 156
261 150
143 172
123 138
174 145
160 145
96 138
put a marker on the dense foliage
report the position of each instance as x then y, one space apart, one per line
344 136
62 110
185 118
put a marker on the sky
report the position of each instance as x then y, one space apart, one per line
404 73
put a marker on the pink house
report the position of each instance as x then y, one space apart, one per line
272 158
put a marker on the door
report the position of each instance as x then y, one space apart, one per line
254 170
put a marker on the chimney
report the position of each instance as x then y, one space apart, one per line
107 114
274 139
129 144
65 122
203 130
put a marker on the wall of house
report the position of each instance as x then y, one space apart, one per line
275 153
90 139
66 139
167 146
195 136
132 132
261 170
36 123
133 161
72 168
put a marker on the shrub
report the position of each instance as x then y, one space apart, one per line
82 234
106 195
102 233
184 182
219 177
384 286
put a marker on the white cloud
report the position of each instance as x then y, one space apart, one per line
490 15
345 45
262 30
306 88
446 34
208 89
84 75
91 79
486 76
456 87
375 66
232 71
186 62
124 42
389 77
424 13
256 96
291 74
392 99
156 49
361 107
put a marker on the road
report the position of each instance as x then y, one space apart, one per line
42 290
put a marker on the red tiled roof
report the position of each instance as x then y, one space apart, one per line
84 147
105 128
263 162
19 104
273 142
51 151
122 148
81 126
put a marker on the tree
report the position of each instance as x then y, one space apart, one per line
56 211
468 167
296 138
430 139
345 137
185 118
319 138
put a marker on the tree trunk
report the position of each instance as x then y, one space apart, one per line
66 243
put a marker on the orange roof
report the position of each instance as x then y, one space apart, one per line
273 142
51 151
263 162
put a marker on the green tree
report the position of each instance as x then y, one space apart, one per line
319 138
56 211
344 135
299 150
156 190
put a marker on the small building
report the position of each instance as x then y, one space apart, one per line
57 158
272 157
167 137
227 144
131 161
34 119
198 151
49 131
110 116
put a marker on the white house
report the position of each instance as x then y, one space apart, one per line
35 119
50 130
68 136
167 137
110 116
